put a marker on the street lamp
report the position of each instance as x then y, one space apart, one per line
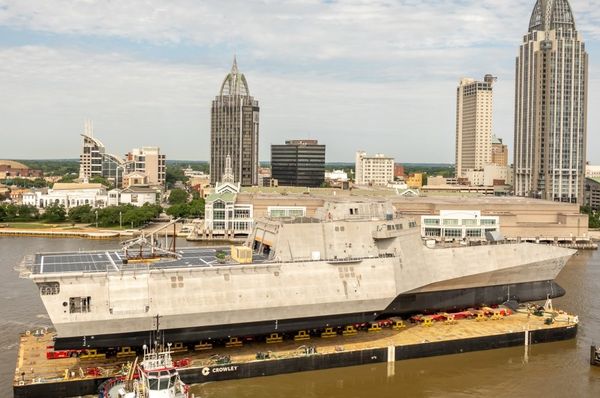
120 220
96 218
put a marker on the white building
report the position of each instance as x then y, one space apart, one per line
134 195
459 224
373 170
336 175
69 195
592 171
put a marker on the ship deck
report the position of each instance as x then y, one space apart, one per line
112 260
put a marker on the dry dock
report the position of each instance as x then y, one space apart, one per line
36 376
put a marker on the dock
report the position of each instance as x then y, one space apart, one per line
37 376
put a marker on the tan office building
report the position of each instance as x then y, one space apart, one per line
150 161
474 108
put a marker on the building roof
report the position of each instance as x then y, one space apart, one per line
235 82
225 197
594 179
12 164
551 14
138 189
75 185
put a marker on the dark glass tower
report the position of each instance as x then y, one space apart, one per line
298 163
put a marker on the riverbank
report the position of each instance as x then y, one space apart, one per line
62 231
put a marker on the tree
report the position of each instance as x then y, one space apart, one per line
178 196
178 210
81 214
196 208
27 213
55 213
174 174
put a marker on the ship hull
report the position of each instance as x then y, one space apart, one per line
403 305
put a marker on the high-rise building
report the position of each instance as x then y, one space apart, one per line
298 163
551 106
94 161
373 170
499 152
474 100
150 161
234 130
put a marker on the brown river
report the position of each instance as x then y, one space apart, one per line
546 370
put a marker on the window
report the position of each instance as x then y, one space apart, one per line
176 281
49 288
79 304
453 233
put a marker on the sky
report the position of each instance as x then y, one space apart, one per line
373 75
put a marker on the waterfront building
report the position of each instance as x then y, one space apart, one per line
551 106
235 130
223 217
592 193
150 161
10 169
298 163
94 161
134 195
459 225
377 169
499 152
474 100
68 195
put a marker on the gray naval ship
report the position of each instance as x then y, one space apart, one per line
354 262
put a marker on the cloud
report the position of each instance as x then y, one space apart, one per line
344 72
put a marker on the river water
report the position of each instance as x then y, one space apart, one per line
549 370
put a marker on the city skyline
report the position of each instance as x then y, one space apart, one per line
330 71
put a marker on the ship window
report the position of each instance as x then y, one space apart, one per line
177 281
164 383
153 383
49 288
79 304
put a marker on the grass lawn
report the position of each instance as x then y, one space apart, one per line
30 225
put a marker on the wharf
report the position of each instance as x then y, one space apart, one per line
36 376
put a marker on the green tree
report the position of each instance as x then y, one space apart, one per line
178 196
196 208
174 173
81 214
178 210
55 213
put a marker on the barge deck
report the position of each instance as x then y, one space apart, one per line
37 376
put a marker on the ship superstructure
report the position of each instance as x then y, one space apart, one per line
354 262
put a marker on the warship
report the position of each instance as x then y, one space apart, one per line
353 262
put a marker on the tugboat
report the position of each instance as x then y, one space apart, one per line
155 377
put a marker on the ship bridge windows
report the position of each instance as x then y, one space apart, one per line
49 288
79 304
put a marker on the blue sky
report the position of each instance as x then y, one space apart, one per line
360 74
